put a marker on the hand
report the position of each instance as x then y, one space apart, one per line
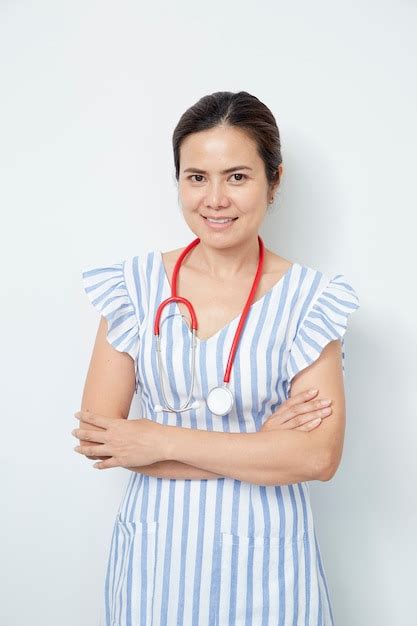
126 443
84 426
300 412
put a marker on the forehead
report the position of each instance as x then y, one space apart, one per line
219 147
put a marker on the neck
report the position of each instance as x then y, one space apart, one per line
227 263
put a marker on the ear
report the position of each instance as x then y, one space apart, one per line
277 179
280 173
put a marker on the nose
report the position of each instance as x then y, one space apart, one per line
216 197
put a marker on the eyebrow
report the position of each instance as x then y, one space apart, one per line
230 169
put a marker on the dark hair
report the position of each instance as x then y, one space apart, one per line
239 109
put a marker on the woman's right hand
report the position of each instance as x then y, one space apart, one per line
304 411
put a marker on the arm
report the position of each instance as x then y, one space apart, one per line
110 384
274 457
109 389
326 374
175 469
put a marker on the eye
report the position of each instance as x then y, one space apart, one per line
197 178
239 174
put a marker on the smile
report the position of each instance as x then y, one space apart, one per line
219 223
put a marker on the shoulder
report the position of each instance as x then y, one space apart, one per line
124 278
318 295
321 305
275 264
303 279
169 257
138 266
312 289
172 253
316 282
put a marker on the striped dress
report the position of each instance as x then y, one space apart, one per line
216 552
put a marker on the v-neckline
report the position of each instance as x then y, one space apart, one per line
277 284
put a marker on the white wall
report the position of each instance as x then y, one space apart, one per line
90 95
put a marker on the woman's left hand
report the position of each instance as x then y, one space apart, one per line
128 443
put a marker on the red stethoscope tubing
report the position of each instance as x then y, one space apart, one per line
244 314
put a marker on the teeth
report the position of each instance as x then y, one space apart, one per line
219 221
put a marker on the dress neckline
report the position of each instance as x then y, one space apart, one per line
254 304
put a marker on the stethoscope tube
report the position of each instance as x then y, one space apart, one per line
174 298
220 399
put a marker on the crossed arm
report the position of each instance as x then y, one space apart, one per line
270 457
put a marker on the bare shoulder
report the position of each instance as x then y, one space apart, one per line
275 264
170 256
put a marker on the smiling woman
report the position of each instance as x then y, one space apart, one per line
230 495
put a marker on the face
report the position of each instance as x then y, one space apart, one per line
222 176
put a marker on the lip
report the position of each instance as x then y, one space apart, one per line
218 226
219 217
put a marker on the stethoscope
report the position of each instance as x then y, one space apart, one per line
220 399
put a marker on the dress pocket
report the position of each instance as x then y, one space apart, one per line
133 567
258 575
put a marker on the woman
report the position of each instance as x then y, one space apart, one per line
215 527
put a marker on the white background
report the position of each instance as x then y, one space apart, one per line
90 95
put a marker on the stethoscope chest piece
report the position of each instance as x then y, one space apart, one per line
220 400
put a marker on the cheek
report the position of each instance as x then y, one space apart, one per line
252 202
190 198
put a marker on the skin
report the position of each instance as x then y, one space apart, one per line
224 262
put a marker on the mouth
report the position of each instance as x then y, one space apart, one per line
219 223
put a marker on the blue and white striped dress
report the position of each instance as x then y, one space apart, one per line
217 552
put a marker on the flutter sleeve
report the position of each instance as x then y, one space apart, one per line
107 290
325 319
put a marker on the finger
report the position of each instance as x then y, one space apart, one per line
95 428
310 425
305 418
95 436
100 450
302 399
303 396
94 418
111 462
307 407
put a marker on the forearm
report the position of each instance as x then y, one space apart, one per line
276 457
162 469
175 469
